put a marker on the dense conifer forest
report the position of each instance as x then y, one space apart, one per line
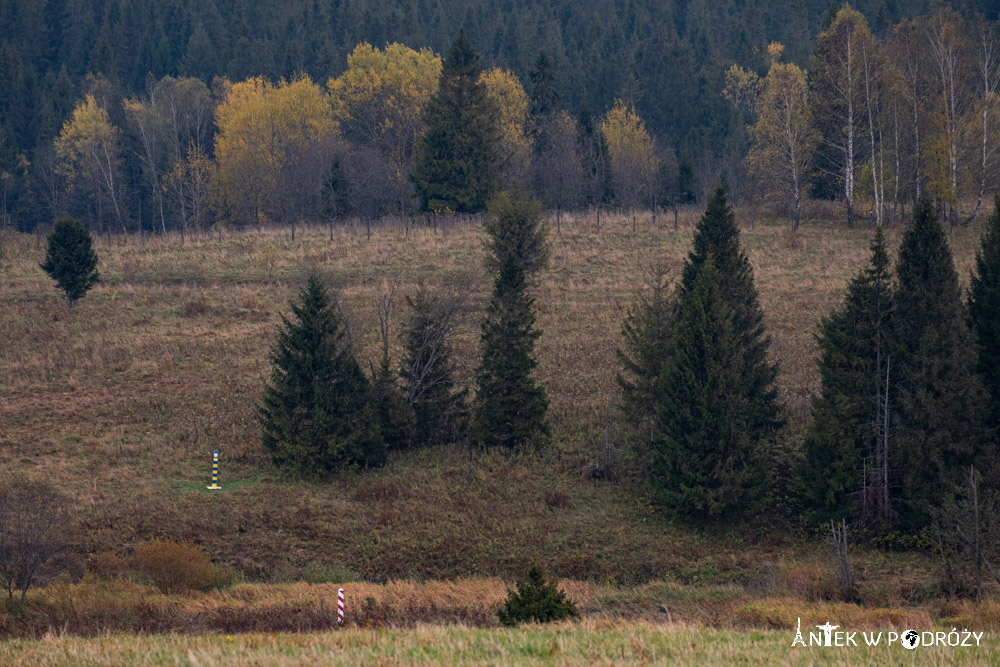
668 63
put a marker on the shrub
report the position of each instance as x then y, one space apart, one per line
107 565
195 308
175 567
536 600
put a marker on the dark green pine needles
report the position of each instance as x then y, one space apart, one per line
70 259
704 463
849 429
536 601
941 399
317 413
715 404
457 169
717 235
647 331
984 310
510 406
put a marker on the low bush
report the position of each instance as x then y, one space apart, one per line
536 600
175 567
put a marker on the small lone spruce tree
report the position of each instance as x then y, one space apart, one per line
70 259
536 600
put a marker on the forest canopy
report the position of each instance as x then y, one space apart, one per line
666 62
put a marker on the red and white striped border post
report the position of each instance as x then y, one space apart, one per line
340 606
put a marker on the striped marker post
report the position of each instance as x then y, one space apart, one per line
215 472
340 606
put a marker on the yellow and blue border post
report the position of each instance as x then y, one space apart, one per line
215 472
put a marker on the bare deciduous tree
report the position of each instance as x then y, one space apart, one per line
33 530
839 534
430 373
964 529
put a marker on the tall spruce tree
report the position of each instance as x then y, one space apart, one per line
70 259
714 360
458 166
510 405
717 235
940 395
318 414
984 311
846 471
514 223
706 462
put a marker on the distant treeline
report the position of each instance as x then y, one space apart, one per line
129 115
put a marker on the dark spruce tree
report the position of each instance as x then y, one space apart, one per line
847 465
544 106
318 414
536 600
514 224
396 419
718 235
706 462
510 406
544 96
458 166
940 395
647 333
429 373
70 259
984 311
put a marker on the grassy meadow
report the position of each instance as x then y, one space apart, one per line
590 643
121 400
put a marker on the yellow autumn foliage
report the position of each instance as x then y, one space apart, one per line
87 138
506 91
630 148
262 129
380 97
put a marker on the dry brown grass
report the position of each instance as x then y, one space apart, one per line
93 607
122 399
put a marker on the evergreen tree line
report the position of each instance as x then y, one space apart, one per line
909 398
321 413
157 72
908 404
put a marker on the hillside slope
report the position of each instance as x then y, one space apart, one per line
121 401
